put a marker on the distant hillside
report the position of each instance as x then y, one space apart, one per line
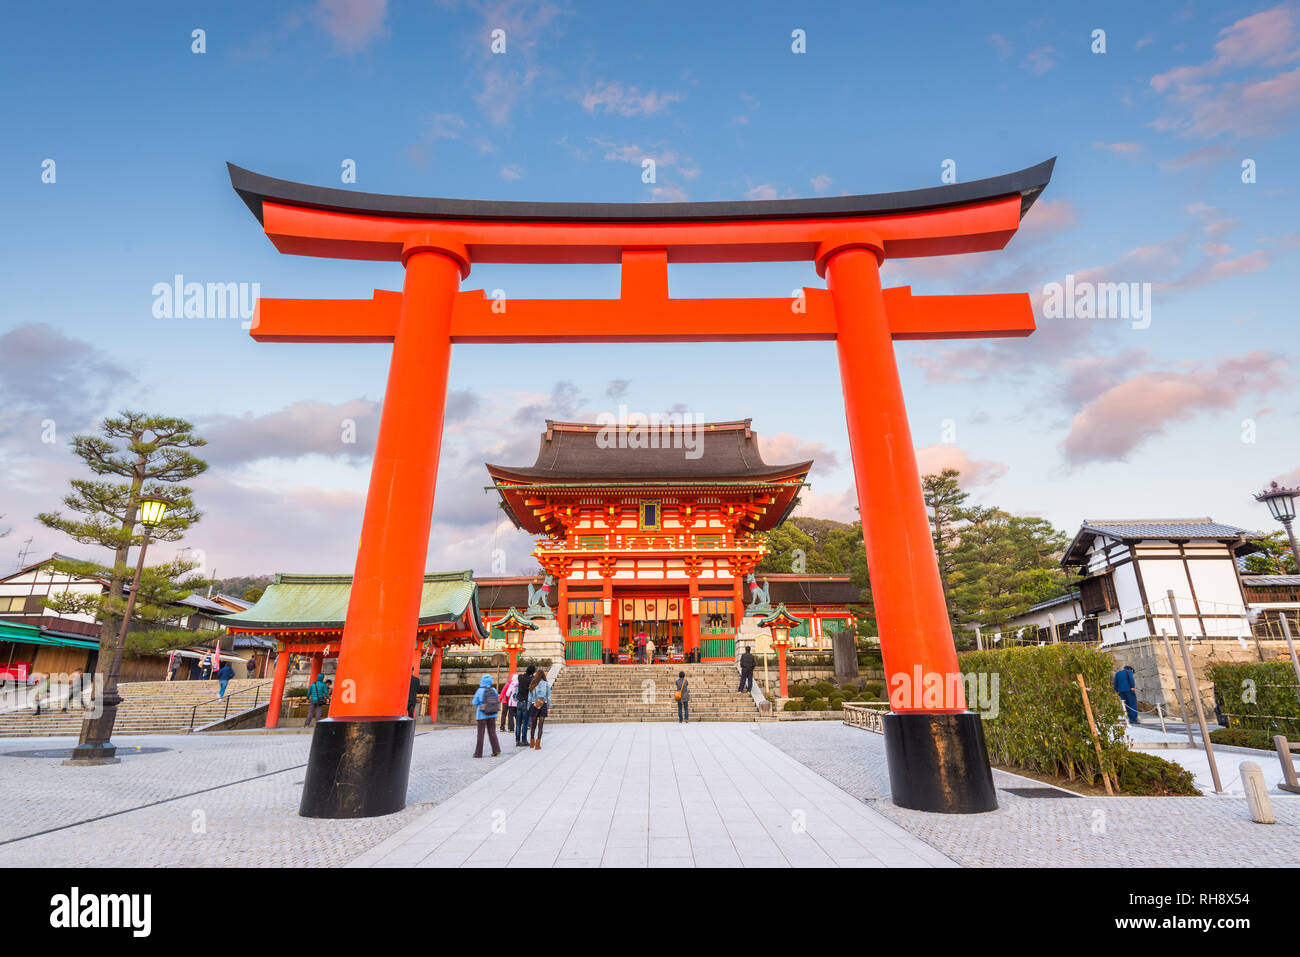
237 587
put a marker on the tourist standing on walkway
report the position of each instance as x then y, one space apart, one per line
683 696
1126 688
746 670
539 706
251 667
223 677
413 692
205 667
521 706
509 700
486 704
650 651
318 696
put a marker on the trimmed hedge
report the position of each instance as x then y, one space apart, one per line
1244 738
1146 775
1040 723
1275 707
793 705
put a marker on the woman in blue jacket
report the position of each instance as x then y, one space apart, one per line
486 705
539 706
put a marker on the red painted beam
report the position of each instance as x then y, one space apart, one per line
645 319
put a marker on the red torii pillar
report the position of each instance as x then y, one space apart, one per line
360 756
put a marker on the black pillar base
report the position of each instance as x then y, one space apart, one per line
938 762
92 754
358 767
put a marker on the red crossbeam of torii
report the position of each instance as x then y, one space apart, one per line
438 240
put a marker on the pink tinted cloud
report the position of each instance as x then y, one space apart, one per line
933 459
1130 413
353 24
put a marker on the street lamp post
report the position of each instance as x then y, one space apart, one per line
1281 502
96 745
780 621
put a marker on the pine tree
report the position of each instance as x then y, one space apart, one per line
946 504
150 454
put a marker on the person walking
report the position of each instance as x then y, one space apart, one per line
521 707
539 706
650 651
747 670
412 692
223 677
40 689
683 697
251 667
318 696
509 700
177 659
205 667
486 703
1126 688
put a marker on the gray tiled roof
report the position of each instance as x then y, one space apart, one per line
1165 528
1263 581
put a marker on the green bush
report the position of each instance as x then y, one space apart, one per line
1040 723
874 691
849 688
793 706
818 705
811 695
1145 774
824 688
1245 738
797 690
296 693
855 696
1275 707
835 702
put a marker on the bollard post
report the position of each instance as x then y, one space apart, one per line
1257 799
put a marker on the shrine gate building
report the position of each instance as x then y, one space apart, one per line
646 530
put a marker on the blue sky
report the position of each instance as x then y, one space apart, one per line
1087 418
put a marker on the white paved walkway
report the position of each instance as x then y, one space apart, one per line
639 795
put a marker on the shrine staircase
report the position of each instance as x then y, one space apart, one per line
620 693
148 707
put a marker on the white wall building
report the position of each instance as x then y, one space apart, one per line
1127 569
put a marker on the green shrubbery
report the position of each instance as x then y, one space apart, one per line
1146 774
1040 723
1259 696
874 691
1244 738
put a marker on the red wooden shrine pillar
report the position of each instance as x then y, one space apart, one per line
277 689
692 635
435 681
935 747
360 758
562 607
317 660
609 617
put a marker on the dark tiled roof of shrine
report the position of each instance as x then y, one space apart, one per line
587 452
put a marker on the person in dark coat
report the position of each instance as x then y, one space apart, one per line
521 708
412 693
683 696
746 670
1126 688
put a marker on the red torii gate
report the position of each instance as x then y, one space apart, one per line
360 756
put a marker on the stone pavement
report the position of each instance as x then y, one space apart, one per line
1061 831
773 794
662 795
211 800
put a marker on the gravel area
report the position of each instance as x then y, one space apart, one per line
1054 832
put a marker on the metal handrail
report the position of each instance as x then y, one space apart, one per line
227 699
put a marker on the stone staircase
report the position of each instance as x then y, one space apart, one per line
148 707
605 693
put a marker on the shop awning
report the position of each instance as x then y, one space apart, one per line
31 635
